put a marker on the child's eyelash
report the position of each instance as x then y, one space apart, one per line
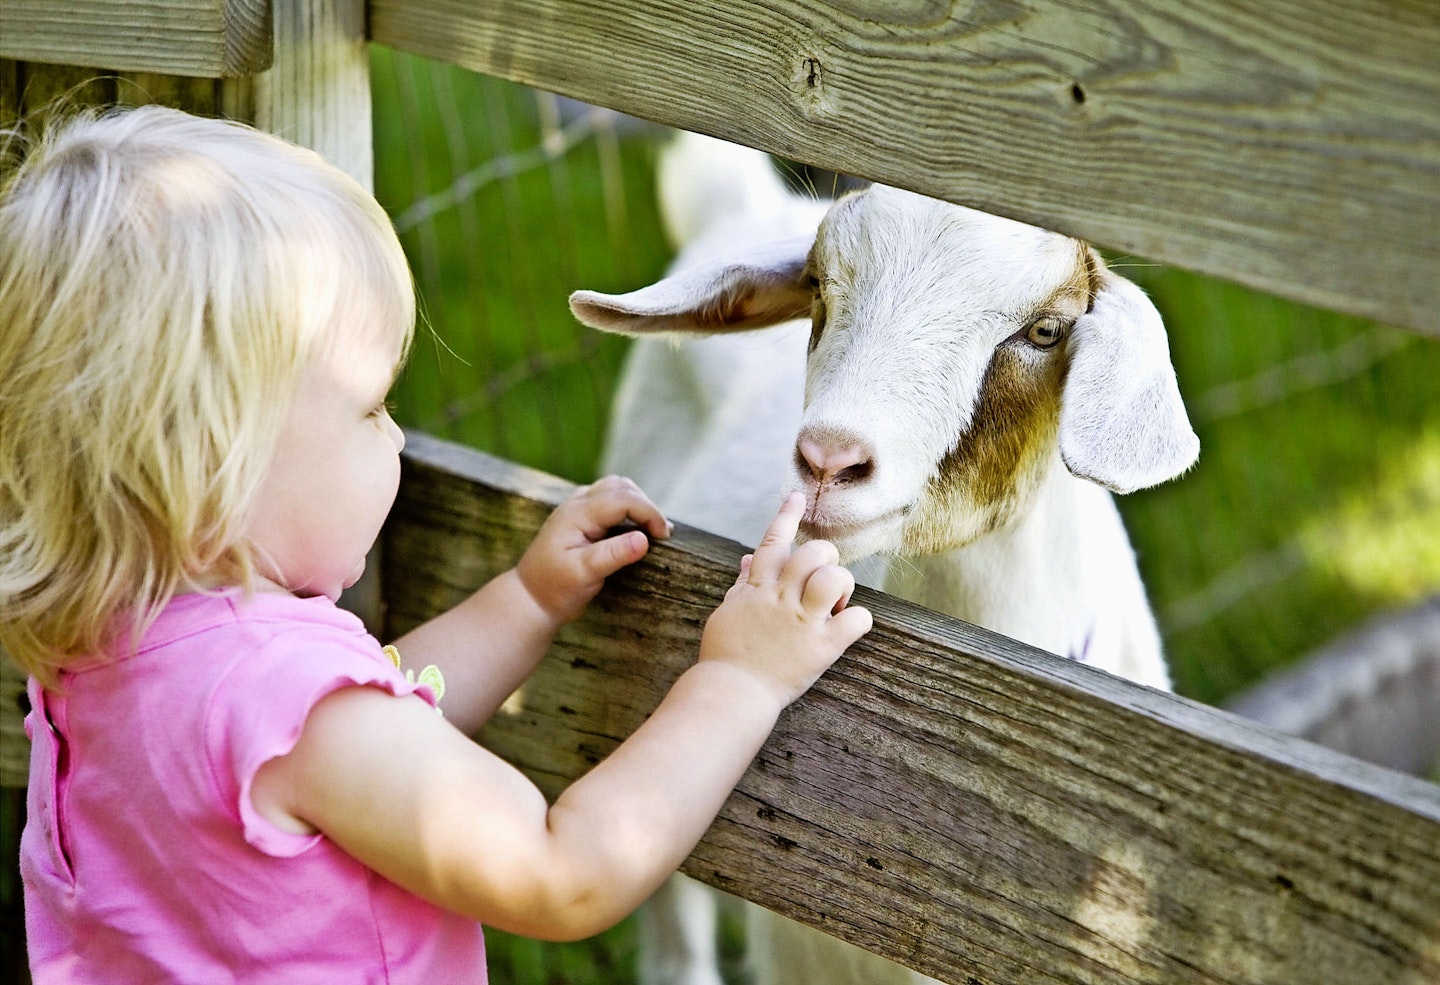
384 407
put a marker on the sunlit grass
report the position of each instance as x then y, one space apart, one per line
1385 543
1313 504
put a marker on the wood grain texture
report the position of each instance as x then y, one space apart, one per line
956 801
317 92
210 38
1292 145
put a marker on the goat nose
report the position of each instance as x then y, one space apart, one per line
834 459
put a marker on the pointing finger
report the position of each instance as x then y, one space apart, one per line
774 549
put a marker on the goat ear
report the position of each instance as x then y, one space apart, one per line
764 287
1122 423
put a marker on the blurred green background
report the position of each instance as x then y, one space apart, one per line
1316 502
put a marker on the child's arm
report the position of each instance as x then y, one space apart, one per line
489 643
390 782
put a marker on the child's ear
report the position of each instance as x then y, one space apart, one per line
761 288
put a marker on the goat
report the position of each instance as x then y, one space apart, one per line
705 425
973 389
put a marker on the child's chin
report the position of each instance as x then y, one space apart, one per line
350 582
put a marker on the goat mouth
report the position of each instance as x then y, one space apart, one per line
860 539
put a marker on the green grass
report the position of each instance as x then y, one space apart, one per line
507 368
608 957
1316 501
1307 513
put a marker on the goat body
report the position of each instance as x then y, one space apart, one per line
972 387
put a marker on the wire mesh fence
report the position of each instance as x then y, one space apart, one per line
1315 505
506 199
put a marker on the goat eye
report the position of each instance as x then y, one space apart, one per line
1045 331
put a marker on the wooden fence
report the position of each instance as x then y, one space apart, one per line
954 800
951 799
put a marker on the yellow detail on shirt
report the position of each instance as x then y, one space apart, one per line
429 677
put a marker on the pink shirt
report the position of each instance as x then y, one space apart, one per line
142 857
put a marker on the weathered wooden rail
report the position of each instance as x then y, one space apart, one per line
204 38
1293 145
953 800
959 802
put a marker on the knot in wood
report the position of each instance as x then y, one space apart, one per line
812 70
809 86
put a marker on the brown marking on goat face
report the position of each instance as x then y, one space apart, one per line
841 266
1093 266
810 277
999 461
818 316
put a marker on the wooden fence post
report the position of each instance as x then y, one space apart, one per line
317 91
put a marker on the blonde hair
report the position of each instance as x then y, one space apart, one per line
164 282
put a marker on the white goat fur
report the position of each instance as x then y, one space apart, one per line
930 433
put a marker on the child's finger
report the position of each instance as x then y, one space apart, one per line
806 558
827 589
774 549
851 624
605 557
744 568
648 517
614 500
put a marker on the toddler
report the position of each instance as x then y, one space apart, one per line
230 779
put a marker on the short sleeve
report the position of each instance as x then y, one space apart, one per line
260 707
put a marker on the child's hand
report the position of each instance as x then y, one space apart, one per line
567 563
786 619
